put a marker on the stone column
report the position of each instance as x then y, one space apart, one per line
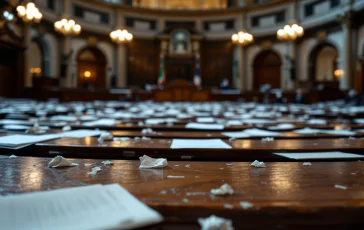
66 53
349 79
238 68
27 40
122 66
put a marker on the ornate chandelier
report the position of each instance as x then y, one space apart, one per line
242 38
290 33
67 27
121 36
29 13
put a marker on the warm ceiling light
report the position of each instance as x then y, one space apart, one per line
290 33
29 13
121 36
87 74
67 27
242 38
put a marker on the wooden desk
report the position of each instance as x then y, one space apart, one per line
284 195
244 150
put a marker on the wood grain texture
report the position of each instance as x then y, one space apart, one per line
284 195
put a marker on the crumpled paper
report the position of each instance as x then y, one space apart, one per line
36 129
66 128
107 162
147 162
258 164
94 170
225 189
148 131
105 137
215 223
60 161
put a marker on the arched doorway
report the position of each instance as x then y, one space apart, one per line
323 63
45 55
35 60
267 69
91 66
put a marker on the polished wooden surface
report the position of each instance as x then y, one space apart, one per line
284 195
157 147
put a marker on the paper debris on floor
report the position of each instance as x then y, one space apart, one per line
246 205
225 189
94 170
258 164
107 162
215 223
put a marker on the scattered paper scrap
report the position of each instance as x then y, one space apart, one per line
147 162
35 129
175 177
148 131
225 189
188 166
246 205
107 162
105 137
66 128
258 164
94 170
124 139
146 138
307 164
341 187
215 223
60 161
228 206
268 139
12 156
195 193
185 200
88 165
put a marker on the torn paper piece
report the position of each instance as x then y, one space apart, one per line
105 137
66 128
195 193
147 162
225 189
124 139
229 165
258 164
175 177
146 138
188 166
12 156
36 129
140 123
148 131
107 162
60 161
215 223
340 187
88 165
228 206
268 139
185 200
307 164
246 205
94 170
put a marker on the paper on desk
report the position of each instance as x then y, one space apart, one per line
339 132
10 121
258 121
283 126
307 131
199 144
261 133
89 207
204 126
20 139
147 162
316 122
205 119
240 134
60 161
101 122
234 123
63 118
16 127
319 155
81 133
155 121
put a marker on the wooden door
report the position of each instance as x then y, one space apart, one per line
267 70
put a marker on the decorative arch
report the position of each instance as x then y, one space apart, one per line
315 52
45 54
91 68
267 69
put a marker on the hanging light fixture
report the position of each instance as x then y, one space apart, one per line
290 33
67 27
29 13
242 38
121 36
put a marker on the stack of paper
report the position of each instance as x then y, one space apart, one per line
89 207
199 144
19 140
319 155
204 126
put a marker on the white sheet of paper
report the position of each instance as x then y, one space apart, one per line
199 144
204 126
317 122
339 132
205 119
261 133
307 131
319 155
20 139
63 118
81 133
89 207
284 126
10 121
16 127
258 121
234 123
101 122
241 134
154 121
